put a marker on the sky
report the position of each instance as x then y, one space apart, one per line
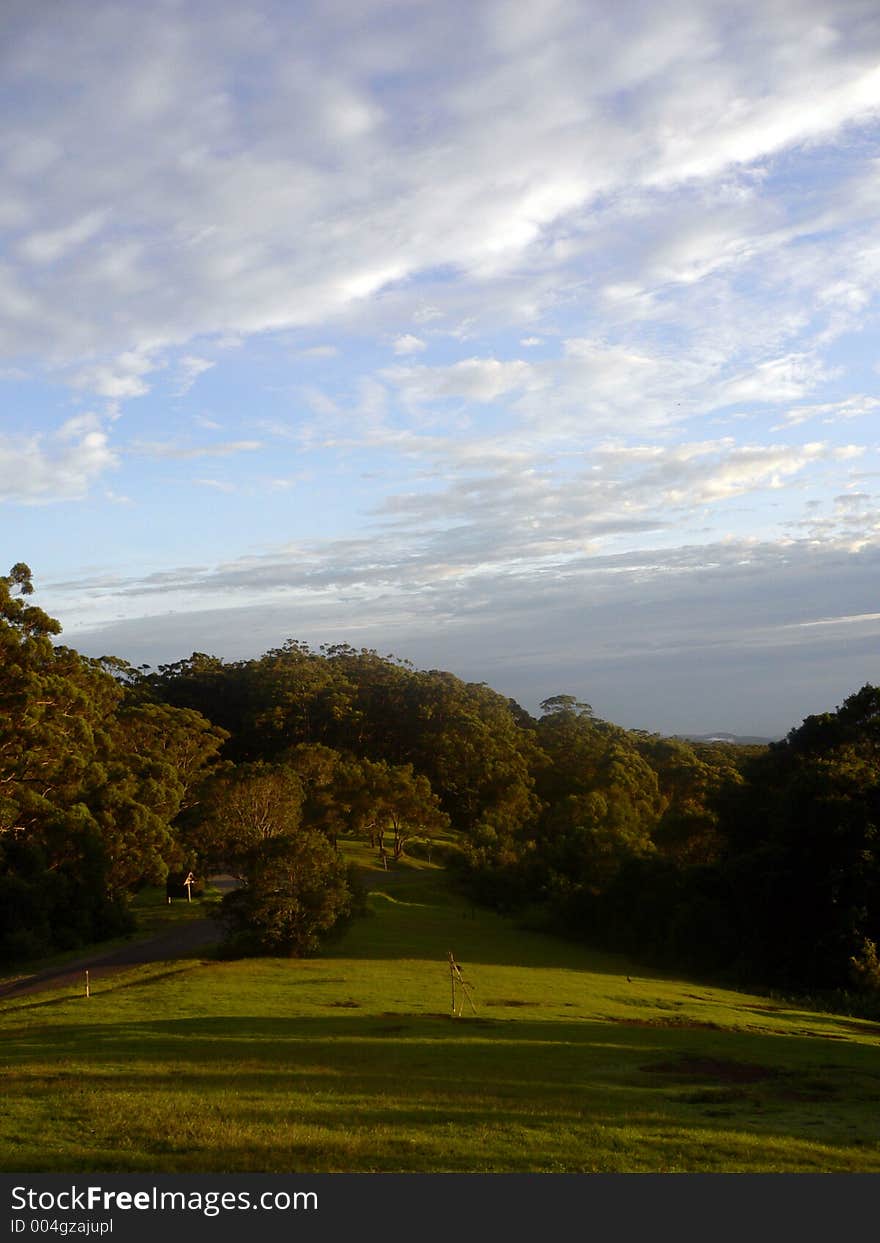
536 341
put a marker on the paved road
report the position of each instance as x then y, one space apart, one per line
185 941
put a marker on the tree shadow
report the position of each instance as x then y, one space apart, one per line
345 1078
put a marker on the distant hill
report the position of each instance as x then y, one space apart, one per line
738 740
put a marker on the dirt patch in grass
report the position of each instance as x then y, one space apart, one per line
726 1081
713 1068
797 1094
713 1096
509 1001
672 1021
308 980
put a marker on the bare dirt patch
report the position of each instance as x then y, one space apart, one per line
715 1069
672 1021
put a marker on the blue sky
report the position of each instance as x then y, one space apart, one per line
535 341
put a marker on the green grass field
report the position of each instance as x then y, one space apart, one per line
352 1061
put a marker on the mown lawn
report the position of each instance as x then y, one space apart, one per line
352 1062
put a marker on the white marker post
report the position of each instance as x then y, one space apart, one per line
189 882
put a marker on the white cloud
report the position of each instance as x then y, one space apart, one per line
778 380
121 378
219 485
408 344
39 469
519 515
739 470
189 368
173 451
596 386
833 411
79 425
320 351
855 620
55 244
472 379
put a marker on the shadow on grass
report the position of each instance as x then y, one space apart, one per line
193 1086
542 1051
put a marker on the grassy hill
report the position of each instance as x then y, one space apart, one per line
352 1061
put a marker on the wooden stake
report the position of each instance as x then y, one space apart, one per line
467 993
458 978
88 993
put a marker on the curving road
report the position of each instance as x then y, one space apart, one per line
185 941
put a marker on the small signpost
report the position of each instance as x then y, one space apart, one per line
176 883
457 979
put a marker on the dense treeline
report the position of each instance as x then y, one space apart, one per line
758 861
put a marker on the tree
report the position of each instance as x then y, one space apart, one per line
585 837
295 890
572 745
465 740
287 691
205 684
566 705
317 768
689 780
385 798
803 855
241 811
153 760
89 784
54 706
